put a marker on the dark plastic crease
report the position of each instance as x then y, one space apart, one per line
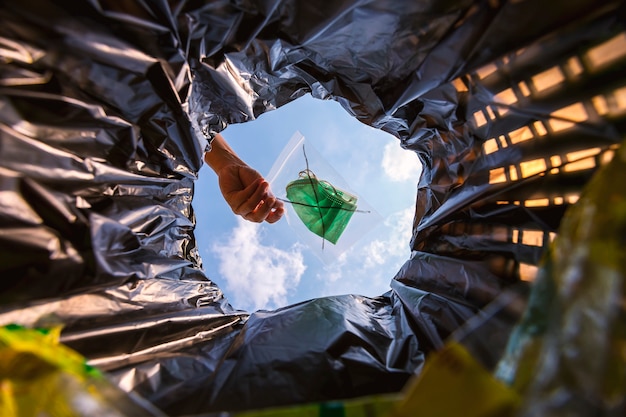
106 110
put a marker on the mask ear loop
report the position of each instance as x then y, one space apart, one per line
311 175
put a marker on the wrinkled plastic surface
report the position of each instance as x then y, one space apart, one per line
581 287
39 376
107 108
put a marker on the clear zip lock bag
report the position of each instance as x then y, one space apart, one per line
327 215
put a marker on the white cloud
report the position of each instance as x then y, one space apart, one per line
331 274
257 276
399 226
367 267
400 164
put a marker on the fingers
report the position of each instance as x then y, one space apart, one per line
251 198
260 205
276 212
249 195
269 210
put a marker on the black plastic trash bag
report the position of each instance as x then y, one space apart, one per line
107 108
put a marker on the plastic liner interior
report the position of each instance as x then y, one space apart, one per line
107 108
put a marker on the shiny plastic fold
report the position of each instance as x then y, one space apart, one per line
107 107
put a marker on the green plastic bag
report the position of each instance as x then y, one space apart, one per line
324 209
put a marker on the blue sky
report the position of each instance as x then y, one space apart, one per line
263 266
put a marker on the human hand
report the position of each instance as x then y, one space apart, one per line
248 194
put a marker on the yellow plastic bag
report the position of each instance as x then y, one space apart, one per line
41 377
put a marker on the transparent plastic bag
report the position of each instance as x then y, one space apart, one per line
328 216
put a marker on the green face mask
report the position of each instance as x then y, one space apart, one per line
324 209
